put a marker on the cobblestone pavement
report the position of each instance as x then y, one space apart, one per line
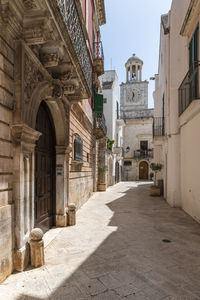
116 251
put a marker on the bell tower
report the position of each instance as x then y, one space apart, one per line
134 69
134 92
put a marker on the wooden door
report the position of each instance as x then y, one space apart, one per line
143 170
44 170
117 172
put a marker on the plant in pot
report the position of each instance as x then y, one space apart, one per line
154 189
110 143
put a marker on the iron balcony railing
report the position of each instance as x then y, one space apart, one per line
72 20
98 51
140 154
100 122
159 126
189 88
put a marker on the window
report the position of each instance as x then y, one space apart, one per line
194 47
117 110
127 163
193 65
78 148
143 145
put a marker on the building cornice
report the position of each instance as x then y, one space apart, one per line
101 12
190 15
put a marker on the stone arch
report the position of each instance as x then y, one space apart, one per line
43 92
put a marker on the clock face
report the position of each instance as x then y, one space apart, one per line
133 95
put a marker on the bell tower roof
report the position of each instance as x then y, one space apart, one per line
134 59
134 69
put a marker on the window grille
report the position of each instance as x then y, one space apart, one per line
78 148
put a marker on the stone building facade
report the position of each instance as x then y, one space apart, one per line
110 90
178 84
50 59
137 133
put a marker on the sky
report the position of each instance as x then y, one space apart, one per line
133 26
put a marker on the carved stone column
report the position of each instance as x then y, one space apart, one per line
24 139
102 165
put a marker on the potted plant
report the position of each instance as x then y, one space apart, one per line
154 189
110 143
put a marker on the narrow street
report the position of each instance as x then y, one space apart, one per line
117 252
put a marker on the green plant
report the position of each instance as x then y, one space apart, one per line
110 143
156 168
151 175
102 169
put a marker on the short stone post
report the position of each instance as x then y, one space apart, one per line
72 214
37 247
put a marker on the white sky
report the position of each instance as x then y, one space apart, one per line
133 26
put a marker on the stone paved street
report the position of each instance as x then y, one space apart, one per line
116 251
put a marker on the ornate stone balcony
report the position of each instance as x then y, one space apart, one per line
98 59
99 129
70 13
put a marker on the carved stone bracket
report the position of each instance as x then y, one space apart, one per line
21 133
50 53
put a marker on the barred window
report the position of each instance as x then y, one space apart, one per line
78 148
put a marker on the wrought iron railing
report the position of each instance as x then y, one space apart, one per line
143 153
71 17
159 126
99 121
98 51
189 88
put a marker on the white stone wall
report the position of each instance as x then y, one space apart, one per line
110 112
136 131
180 153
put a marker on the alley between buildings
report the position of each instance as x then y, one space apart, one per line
126 245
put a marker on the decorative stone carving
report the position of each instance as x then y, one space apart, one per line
49 59
57 91
29 4
23 133
32 77
69 89
34 35
50 53
37 247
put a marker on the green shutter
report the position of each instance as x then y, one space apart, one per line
98 102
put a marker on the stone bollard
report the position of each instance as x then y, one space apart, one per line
72 214
37 247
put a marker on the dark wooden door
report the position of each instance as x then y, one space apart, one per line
143 170
44 170
117 172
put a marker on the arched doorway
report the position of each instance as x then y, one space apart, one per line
44 170
143 170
